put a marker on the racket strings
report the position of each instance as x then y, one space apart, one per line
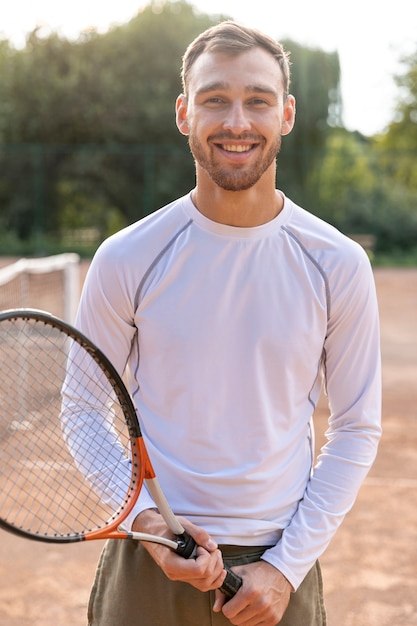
65 464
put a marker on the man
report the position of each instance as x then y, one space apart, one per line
228 307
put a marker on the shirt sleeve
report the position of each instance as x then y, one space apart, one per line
105 316
352 373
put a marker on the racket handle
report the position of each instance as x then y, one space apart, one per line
231 583
186 547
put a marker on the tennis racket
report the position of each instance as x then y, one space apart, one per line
72 457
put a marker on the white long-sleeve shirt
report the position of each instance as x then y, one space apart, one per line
227 333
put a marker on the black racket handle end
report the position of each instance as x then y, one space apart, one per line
186 547
231 583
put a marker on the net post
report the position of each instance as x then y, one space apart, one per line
71 286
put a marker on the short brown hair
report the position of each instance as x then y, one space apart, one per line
228 37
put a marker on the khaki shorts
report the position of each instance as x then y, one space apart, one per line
131 590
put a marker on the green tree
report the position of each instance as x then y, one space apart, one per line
345 182
357 194
396 154
315 83
400 141
87 127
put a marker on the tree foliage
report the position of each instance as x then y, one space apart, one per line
88 135
400 141
315 83
354 195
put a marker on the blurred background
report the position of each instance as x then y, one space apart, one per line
88 142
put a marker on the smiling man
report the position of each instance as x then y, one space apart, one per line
228 309
235 129
240 124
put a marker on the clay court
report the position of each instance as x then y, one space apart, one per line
370 569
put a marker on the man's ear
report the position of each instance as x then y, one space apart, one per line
289 115
181 114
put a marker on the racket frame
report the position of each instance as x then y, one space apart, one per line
142 471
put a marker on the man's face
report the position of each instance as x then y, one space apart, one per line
234 116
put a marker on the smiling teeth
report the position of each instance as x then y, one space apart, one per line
236 148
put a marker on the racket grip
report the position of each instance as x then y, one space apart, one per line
231 583
186 547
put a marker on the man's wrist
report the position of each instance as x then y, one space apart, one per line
140 521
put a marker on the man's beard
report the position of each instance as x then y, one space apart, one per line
233 179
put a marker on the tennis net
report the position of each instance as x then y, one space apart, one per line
50 283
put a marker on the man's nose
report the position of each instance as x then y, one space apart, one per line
237 119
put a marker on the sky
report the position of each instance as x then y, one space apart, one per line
370 36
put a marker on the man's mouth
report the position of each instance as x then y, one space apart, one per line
236 148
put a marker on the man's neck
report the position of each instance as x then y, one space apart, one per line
252 207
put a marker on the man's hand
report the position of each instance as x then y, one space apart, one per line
262 599
205 572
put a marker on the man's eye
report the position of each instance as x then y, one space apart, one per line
214 100
258 102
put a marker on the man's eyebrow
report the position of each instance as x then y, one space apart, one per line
223 86
215 86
